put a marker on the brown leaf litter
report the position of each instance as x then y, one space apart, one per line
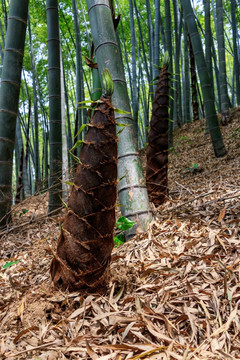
174 291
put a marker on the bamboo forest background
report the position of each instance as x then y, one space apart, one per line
147 28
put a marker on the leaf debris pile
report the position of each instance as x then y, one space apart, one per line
174 291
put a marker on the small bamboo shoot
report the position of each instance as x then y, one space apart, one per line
86 240
157 151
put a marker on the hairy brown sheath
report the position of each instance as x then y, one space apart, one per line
157 151
86 240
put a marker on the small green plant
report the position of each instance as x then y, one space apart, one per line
192 169
183 138
173 149
186 139
235 134
122 224
24 211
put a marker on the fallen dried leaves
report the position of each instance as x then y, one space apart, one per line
174 291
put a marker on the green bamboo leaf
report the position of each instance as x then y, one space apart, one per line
68 183
157 67
85 107
120 205
76 145
87 101
121 111
119 132
10 263
173 149
75 157
81 129
172 79
123 125
122 177
62 228
65 204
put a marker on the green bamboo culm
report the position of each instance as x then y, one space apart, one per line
54 84
9 96
186 87
169 48
225 103
96 86
195 106
208 38
235 50
132 189
206 86
80 96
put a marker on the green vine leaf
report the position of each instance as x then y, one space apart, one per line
118 240
124 223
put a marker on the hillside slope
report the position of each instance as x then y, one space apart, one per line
174 291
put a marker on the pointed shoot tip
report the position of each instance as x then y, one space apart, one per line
166 59
107 83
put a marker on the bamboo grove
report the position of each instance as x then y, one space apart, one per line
68 45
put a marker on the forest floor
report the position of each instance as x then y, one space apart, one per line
174 291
